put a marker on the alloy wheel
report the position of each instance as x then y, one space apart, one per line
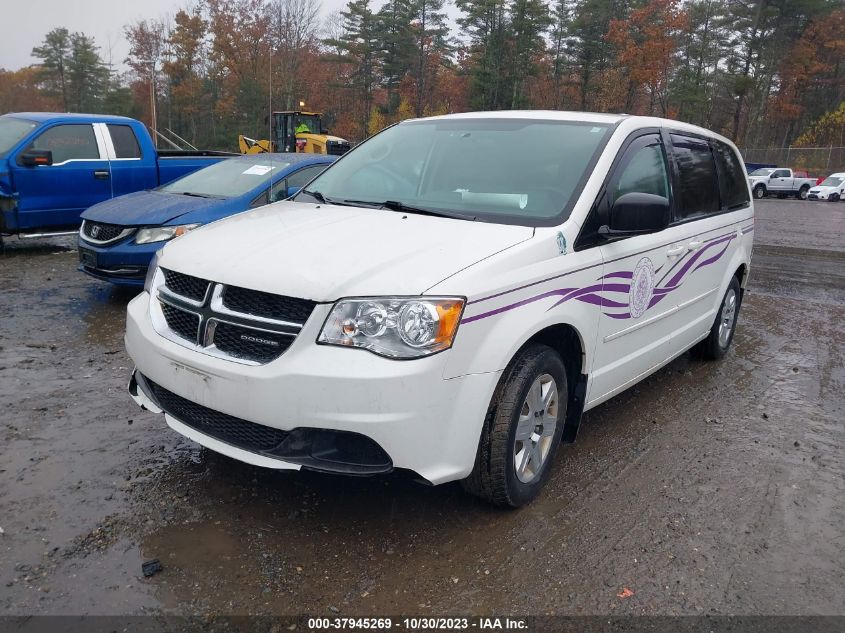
535 428
727 318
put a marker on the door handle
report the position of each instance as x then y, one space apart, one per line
676 250
101 174
694 246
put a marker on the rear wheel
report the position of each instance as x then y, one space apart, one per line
522 429
802 192
722 333
760 191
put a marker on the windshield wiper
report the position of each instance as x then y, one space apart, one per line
319 197
196 195
395 205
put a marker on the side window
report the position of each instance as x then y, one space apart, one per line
68 142
124 141
261 200
645 173
732 173
304 176
781 173
699 193
641 169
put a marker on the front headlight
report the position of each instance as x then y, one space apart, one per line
396 327
162 233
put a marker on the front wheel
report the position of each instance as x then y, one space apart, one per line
802 193
716 344
760 192
522 429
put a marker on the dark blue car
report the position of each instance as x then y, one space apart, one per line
119 237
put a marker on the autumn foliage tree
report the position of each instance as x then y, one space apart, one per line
763 72
646 44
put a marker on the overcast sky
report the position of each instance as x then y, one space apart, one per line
27 21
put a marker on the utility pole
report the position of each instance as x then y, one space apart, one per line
153 121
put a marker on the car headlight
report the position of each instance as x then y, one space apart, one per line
151 272
162 233
396 327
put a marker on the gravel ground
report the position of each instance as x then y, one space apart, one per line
710 488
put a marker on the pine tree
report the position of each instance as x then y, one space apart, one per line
87 74
359 47
485 22
529 21
430 35
393 30
53 54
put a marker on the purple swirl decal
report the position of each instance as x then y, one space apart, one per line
612 292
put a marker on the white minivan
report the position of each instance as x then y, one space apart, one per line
449 297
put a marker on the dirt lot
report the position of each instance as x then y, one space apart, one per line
709 488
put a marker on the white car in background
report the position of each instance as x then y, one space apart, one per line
831 188
449 297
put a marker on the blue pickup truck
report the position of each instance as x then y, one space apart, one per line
54 166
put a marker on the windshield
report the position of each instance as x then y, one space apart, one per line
761 172
513 171
13 130
229 178
305 124
832 181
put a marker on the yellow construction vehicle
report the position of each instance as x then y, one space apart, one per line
296 131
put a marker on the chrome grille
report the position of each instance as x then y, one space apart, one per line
249 343
193 288
238 324
103 233
267 305
185 324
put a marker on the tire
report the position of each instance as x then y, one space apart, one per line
717 343
496 476
760 192
834 197
802 192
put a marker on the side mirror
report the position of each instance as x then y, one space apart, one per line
636 214
35 157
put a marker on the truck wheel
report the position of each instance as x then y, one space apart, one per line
522 429
722 333
802 192
760 191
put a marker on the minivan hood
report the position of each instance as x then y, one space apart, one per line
148 208
324 252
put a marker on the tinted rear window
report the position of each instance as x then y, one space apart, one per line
733 176
697 170
124 141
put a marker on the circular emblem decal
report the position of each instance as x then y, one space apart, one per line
642 286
